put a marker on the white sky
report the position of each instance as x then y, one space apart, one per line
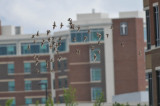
35 15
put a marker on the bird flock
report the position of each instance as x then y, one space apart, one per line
54 43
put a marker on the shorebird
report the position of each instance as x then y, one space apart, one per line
107 35
37 33
33 36
48 32
61 25
54 25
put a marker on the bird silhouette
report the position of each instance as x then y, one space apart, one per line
107 35
54 25
29 47
48 32
95 57
89 31
85 38
71 26
69 19
33 36
99 42
37 33
59 58
78 28
61 25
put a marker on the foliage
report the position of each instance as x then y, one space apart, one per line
9 102
99 100
127 104
139 104
69 97
49 101
37 103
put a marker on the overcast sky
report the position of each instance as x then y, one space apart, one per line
35 15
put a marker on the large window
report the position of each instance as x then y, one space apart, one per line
95 92
148 30
84 36
150 89
95 74
95 55
28 85
11 86
8 49
27 67
44 84
43 100
62 47
156 22
10 68
43 67
34 48
13 102
28 100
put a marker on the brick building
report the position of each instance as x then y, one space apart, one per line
152 54
117 71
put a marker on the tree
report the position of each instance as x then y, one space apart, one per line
99 99
9 102
69 97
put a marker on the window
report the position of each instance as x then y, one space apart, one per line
93 53
10 68
8 49
95 74
27 67
28 100
43 67
95 92
60 83
94 34
62 64
79 36
156 22
62 47
150 89
13 103
148 30
65 83
11 86
158 85
123 28
28 85
34 48
44 84
61 99
43 100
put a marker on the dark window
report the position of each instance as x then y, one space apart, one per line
62 47
150 89
158 86
66 83
8 49
148 30
60 83
61 99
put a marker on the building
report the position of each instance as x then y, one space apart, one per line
112 63
151 8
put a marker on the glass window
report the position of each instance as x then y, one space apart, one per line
11 86
8 49
94 34
44 84
28 85
43 67
43 100
10 68
94 53
13 103
34 48
95 92
66 83
28 100
148 30
61 99
96 74
60 83
62 47
27 67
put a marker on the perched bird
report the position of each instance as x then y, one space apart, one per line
48 32
99 42
78 28
54 25
29 47
92 47
95 57
77 51
85 38
107 35
61 25
37 33
33 36
74 39
122 44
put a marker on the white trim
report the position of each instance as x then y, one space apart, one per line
7 80
4 98
34 96
62 77
148 70
157 68
155 4
146 8
35 79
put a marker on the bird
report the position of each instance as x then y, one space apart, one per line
50 46
71 26
107 35
69 19
52 60
89 31
42 44
36 63
34 41
99 35
49 39
29 47
34 56
47 65
60 38
33 36
77 51
61 25
95 57
74 39
92 47
78 28
59 58
111 27
99 42
85 38
43 40
122 44
54 25
48 32
37 33
140 52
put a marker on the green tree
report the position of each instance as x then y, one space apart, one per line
69 97
9 102
99 99
37 103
